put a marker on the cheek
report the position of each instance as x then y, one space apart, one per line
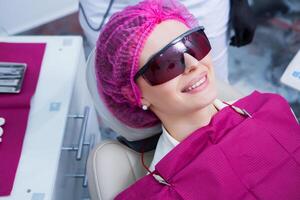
207 61
165 96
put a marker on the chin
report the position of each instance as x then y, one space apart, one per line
201 101
208 92
210 96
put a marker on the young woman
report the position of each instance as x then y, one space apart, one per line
154 67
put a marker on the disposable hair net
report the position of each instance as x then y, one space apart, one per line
117 57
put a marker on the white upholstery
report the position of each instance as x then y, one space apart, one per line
112 167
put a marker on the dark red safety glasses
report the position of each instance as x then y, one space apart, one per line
168 63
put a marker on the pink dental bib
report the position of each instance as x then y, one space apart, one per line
235 157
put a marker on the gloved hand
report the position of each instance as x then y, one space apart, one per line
243 23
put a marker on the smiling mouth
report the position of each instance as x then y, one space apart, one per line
195 85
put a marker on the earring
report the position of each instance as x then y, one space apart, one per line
1 133
2 122
144 107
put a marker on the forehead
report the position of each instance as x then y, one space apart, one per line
162 35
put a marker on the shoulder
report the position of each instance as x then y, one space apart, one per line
262 97
163 147
267 102
157 152
271 98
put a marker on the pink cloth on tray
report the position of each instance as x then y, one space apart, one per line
15 108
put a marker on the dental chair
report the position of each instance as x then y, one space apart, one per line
113 165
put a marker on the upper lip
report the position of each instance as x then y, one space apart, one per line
194 80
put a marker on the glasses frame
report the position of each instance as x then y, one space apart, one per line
141 71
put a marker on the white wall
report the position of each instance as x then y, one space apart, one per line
21 15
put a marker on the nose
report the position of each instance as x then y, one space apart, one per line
190 63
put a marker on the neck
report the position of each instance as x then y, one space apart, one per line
183 125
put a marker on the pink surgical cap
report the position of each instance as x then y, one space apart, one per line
117 56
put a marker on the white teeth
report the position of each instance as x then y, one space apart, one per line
197 84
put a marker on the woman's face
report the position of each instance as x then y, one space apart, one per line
177 95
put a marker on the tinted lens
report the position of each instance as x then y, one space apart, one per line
197 45
165 66
170 63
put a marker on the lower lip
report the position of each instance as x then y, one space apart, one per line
200 88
